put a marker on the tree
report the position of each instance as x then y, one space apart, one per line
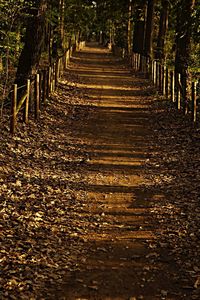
184 13
139 28
33 41
163 26
148 46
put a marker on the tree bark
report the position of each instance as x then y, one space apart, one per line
139 29
183 42
148 47
130 26
33 43
163 27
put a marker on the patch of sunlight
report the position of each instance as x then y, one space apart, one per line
105 87
118 151
109 76
115 183
93 59
118 98
160 179
102 70
132 235
118 161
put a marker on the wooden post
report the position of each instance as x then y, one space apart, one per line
167 83
44 87
157 74
50 80
172 86
154 71
68 56
134 62
178 91
66 62
57 71
139 59
160 81
194 101
37 96
47 82
27 101
13 117
164 80
54 77
51 76
62 65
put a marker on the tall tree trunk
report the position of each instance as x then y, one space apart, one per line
148 47
34 39
163 27
183 42
130 26
62 21
139 29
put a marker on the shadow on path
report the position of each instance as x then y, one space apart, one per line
120 261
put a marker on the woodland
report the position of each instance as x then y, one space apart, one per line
34 33
99 149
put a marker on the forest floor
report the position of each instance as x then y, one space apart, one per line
100 199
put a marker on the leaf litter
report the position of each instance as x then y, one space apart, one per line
174 167
40 206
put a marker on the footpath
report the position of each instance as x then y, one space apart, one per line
129 254
100 197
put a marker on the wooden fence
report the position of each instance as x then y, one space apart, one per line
39 89
168 83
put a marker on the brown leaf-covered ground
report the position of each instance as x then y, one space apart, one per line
100 197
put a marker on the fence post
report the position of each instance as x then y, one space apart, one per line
154 71
160 77
139 60
134 62
157 74
44 86
167 83
164 80
172 85
178 91
54 77
49 80
67 58
27 101
194 101
13 117
37 96
57 72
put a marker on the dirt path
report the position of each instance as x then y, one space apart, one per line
120 260
99 199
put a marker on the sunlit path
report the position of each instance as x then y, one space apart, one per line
119 261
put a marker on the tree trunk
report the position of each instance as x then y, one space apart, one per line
163 27
139 30
183 42
148 47
62 21
130 26
34 38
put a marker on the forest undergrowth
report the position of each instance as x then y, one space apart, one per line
174 167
